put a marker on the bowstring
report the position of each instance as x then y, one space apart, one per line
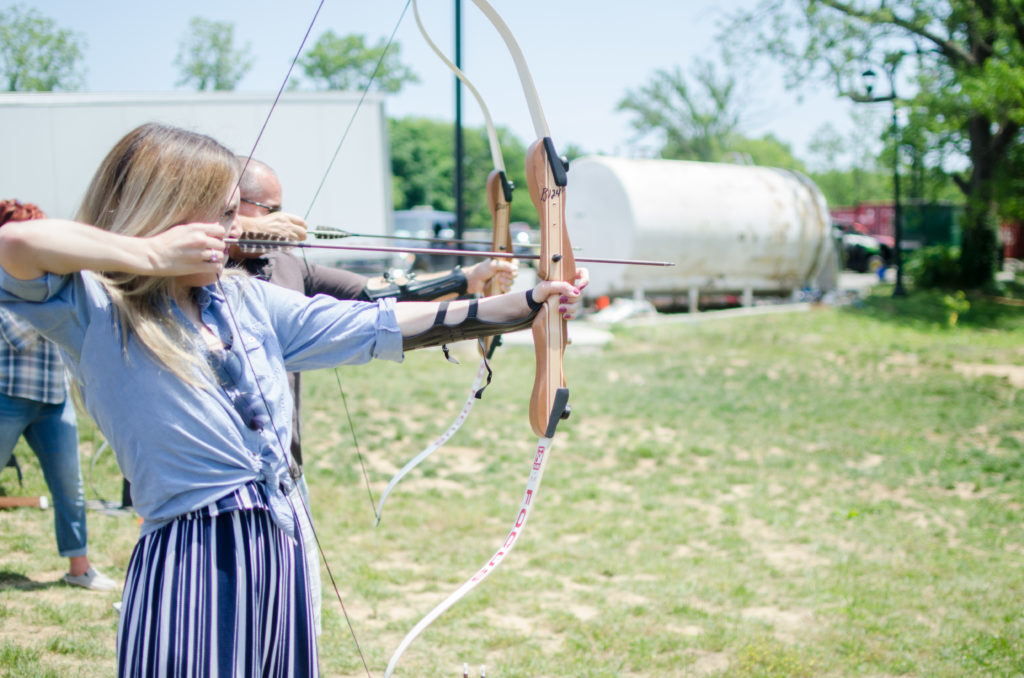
305 259
359 104
305 508
237 330
476 392
280 91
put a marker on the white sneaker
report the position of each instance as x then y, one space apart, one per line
92 579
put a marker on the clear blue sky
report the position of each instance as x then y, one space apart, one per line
584 55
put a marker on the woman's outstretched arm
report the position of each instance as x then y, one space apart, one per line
417 317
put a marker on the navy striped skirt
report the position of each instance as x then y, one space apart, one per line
222 592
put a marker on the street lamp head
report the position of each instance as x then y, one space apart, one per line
869 77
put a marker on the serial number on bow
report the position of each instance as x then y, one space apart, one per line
547 194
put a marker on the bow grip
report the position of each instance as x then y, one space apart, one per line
546 180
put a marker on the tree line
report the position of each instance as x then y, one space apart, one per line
952 70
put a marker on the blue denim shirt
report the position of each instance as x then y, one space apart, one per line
182 447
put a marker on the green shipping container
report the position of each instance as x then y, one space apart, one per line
926 224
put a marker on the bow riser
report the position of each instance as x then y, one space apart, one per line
546 180
499 201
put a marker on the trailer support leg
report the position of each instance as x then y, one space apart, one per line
693 299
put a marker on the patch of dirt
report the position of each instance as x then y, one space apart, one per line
777 552
913 511
690 631
583 612
1012 373
787 625
707 663
867 462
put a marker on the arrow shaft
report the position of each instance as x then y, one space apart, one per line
276 244
328 234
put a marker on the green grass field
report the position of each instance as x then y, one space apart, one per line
829 493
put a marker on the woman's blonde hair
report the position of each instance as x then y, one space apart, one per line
154 178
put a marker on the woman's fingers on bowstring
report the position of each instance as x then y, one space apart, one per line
190 247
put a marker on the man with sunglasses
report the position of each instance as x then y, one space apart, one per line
260 214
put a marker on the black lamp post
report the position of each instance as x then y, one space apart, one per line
460 207
897 211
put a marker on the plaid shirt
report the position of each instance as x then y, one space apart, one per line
30 366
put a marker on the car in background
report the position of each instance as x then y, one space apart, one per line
861 252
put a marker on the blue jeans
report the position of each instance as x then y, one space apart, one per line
52 433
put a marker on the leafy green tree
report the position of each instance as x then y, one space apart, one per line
36 55
700 121
850 171
694 122
846 169
768 151
207 56
967 63
345 62
422 167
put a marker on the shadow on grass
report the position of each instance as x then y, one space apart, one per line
15 581
931 309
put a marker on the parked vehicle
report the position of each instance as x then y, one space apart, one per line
862 252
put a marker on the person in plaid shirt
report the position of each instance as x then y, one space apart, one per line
34 402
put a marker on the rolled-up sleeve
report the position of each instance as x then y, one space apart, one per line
388 344
318 332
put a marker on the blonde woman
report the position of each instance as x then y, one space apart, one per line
183 370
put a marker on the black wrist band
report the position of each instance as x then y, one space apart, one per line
531 302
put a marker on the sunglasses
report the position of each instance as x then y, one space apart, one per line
227 365
270 210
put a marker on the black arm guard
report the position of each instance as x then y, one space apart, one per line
470 328
421 290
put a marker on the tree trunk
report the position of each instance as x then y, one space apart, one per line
979 254
979 249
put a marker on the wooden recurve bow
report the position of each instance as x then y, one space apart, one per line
546 177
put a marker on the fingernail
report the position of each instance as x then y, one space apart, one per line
563 298
576 291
